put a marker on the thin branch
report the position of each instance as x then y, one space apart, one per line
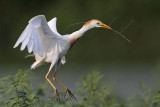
127 25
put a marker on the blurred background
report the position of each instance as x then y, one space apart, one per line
122 64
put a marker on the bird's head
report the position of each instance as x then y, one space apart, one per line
96 23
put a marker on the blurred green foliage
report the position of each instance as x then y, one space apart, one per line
17 91
143 32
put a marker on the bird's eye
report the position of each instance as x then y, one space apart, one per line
98 23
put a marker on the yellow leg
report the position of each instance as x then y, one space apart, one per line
49 80
67 90
56 91
54 78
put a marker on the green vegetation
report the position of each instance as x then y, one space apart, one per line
17 91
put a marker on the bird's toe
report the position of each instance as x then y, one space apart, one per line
71 96
56 96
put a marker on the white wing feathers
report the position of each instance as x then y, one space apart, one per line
36 31
52 25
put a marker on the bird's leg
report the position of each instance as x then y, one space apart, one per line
71 96
55 89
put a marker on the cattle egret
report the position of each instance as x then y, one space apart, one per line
48 46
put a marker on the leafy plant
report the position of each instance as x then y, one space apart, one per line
95 93
16 91
156 100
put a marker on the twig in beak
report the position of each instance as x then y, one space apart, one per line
127 25
121 35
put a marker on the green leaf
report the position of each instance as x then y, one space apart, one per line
9 89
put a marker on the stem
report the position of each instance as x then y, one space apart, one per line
121 35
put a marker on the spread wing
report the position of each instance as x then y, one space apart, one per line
52 25
36 32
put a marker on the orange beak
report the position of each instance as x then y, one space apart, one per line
105 26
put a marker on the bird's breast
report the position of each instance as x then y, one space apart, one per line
59 49
73 42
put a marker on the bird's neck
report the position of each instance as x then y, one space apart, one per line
77 34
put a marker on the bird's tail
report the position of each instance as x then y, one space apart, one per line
36 64
29 55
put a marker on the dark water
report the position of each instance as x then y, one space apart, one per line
122 78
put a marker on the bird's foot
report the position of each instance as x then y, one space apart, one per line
71 96
56 96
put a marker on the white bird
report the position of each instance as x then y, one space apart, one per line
48 46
